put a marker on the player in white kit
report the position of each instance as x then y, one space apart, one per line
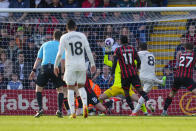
75 44
147 74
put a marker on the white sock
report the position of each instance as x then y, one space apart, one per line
139 104
83 95
71 101
158 81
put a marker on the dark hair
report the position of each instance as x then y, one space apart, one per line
183 36
71 24
57 35
189 46
20 52
143 46
124 39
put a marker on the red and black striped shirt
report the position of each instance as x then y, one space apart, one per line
191 39
126 56
186 65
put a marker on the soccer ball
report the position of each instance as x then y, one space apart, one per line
109 42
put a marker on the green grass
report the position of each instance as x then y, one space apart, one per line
97 123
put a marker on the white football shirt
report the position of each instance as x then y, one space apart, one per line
75 43
147 69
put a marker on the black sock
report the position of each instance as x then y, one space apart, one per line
168 101
108 104
128 99
39 99
80 105
66 103
60 100
129 102
144 95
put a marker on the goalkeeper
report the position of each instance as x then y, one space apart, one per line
116 88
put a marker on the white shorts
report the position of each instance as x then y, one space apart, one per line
72 77
148 83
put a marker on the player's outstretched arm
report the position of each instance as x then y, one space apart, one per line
93 69
107 61
89 53
113 68
57 62
59 56
37 62
32 74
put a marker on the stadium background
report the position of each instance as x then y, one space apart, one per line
22 34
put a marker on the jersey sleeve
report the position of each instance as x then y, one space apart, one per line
60 52
61 46
40 52
114 65
88 51
139 54
107 61
115 59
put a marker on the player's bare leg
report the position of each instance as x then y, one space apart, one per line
39 101
83 96
168 101
107 104
100 107
71 100
60 101
102 97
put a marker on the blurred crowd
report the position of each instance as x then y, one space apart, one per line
22 34
19 44
74 4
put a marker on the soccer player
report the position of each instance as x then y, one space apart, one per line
126 55
75 44
183 75
46 55
80 109
92 97
116 88
147 74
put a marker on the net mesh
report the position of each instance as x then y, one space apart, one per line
22 34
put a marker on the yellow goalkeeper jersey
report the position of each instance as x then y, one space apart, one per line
117 75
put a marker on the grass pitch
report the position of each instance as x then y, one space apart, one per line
97 123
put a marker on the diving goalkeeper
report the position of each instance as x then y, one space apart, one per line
116 88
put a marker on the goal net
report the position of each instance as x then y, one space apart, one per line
23 31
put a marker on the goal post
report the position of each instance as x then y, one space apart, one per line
22 33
